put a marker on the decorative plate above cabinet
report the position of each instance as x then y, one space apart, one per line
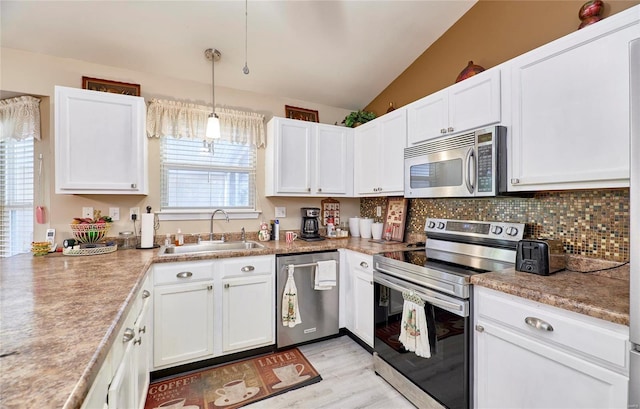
100 143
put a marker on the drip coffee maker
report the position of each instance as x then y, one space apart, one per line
310 229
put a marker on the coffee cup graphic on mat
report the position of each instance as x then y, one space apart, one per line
289 374
235 390
172 404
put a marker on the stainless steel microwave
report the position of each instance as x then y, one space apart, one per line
473 164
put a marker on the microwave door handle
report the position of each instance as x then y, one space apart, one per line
468 161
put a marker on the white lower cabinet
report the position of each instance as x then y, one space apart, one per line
123 378
206 309
183 312
537 356
359 296
248 303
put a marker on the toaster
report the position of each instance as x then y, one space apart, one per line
540 256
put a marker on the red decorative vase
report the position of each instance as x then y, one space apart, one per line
471 70
590 12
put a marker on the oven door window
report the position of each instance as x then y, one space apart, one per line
445 374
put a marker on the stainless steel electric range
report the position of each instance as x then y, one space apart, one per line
437 276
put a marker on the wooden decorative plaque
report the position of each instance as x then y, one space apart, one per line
330 212
394 222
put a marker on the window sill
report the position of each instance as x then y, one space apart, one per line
168 215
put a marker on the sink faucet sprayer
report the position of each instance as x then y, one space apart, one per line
211 223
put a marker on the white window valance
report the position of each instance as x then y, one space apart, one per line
186 120
20 118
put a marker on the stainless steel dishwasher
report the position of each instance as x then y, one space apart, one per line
318 309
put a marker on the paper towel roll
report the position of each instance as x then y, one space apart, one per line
146 231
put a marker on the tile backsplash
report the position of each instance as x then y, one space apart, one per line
592 223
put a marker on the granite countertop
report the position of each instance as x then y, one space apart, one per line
599 294
60 315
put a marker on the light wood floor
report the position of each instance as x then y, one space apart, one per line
348 381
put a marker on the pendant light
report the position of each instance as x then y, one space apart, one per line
245 69
213 123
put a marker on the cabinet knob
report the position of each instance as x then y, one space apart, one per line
515 181
247 269
364 264
450 129
145 294
479 328
128 335
308 189
184 274
319 190
537 323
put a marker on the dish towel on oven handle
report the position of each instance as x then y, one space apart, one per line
414 333
290 311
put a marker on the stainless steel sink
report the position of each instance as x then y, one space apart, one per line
211 246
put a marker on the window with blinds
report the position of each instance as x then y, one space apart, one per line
196 175
16 196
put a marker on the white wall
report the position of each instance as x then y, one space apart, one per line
37 74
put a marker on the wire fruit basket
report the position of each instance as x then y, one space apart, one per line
90 232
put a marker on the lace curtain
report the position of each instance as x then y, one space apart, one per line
20 118
185 120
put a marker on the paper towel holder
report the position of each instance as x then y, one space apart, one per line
144 229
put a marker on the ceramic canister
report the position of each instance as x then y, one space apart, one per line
376 231
365 228
354 226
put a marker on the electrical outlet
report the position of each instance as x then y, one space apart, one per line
114 213
87 212
281 212
132 211
378 211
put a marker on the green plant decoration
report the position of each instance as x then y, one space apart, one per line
357 118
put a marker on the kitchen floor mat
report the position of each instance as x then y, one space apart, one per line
235 384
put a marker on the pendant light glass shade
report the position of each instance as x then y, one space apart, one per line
213 123
213 127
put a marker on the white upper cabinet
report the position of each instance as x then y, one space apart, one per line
469 104
308 159
571 109
379 155
100 142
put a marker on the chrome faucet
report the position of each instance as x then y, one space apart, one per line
211 223
243 235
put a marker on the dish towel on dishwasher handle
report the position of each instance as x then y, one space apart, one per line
290 311
414 334
325 278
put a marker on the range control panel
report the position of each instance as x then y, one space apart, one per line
491 230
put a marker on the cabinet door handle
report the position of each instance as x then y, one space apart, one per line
537 323
450 129
364 264
226 285
128 335
479 328
443 130
184 274
209 287
515 181
142 330
134 186
138 341
145 294
308 189
247 269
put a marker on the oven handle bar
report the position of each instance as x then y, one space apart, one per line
458 309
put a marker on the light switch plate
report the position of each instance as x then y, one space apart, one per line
281 212
87 212
114 213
